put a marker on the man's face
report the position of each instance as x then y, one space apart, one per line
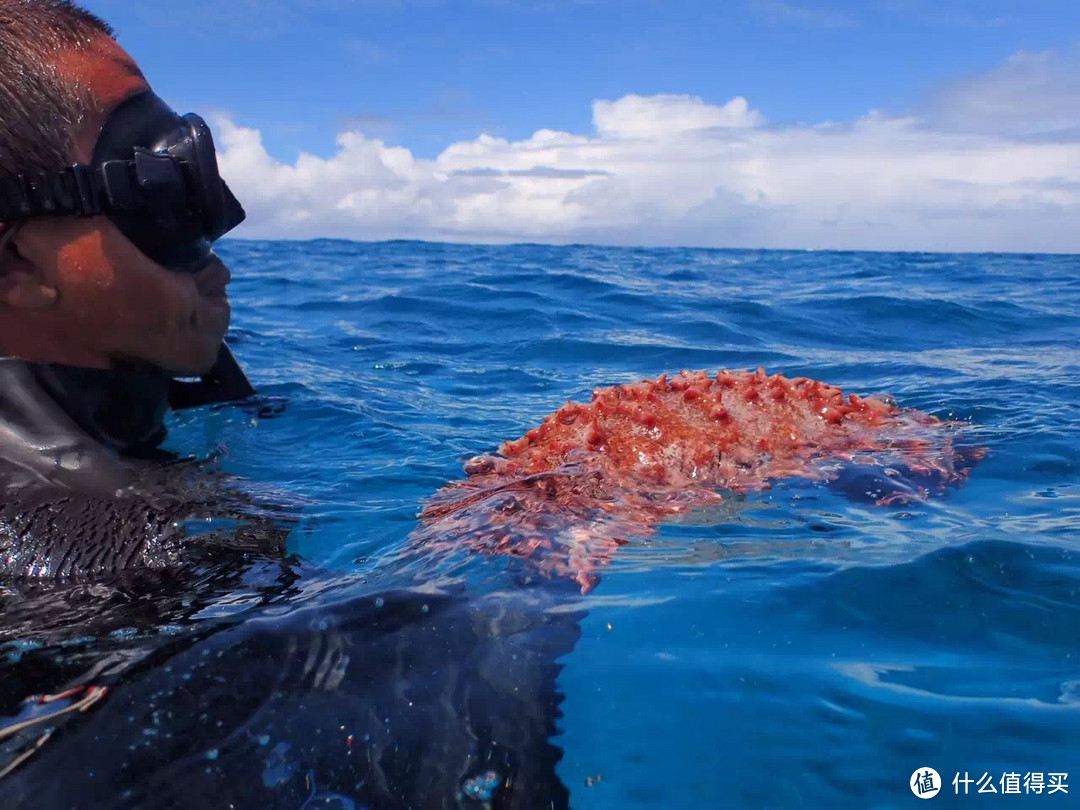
112 302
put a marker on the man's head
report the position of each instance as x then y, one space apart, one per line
75 290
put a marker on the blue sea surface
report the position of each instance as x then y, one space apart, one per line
801 648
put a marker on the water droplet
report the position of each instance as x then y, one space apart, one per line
482 788
279 769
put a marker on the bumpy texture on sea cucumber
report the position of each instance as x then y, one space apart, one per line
575 488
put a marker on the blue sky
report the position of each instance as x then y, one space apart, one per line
425 74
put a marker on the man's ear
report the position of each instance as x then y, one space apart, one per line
21 284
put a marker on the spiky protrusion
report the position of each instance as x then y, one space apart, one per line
694 429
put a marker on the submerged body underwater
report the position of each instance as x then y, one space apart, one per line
725 589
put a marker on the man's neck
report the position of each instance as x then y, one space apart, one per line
40 438
123 410
27 344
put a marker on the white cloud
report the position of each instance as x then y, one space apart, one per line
665 115
1029 94
677 170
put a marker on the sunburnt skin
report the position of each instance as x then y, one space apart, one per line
571 491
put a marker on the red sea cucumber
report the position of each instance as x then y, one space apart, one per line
572 490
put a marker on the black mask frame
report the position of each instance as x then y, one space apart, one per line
155 175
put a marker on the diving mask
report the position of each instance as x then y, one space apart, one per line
155 175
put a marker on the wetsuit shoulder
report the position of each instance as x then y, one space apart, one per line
72 501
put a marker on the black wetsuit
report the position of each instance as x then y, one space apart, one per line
85 487
240 680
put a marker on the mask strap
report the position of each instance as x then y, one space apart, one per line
116 186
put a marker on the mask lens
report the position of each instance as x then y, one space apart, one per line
179 222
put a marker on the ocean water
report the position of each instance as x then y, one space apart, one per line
802 648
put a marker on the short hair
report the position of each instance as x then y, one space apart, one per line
39 110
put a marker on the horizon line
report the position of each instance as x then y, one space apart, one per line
610 246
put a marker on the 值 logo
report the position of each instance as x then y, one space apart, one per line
925 783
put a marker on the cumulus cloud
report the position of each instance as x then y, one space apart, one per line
673 169
665 115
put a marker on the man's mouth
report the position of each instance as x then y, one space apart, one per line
212 280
